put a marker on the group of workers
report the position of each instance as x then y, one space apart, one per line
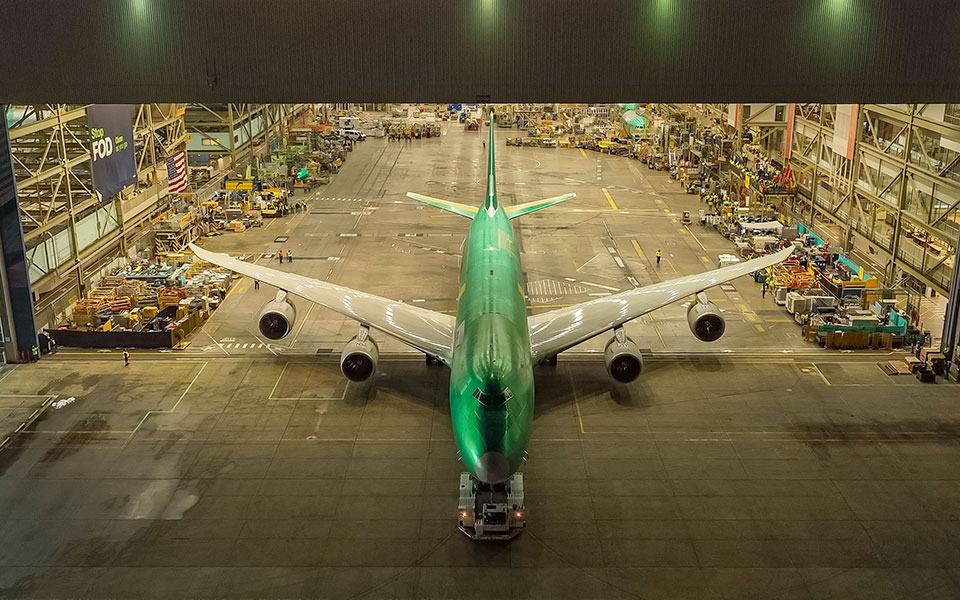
289 256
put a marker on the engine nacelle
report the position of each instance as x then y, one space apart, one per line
622 358
706 322
277 318
358 361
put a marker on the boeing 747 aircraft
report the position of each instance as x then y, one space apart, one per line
492 345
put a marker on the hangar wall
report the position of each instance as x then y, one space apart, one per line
501 50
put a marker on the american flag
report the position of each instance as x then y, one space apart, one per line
177 172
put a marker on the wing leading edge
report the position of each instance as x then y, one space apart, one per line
428 331
557 330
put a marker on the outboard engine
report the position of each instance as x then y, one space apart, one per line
705 320
358 361
277 317
622 357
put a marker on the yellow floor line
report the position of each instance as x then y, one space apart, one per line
705 259
659 201
682 230
636 246
613 204
304 321
750 317
673 220
666 211
583 153
820 373
759 328
744 308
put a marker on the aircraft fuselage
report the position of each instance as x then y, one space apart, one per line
491 373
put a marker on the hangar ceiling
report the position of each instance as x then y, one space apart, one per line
467 50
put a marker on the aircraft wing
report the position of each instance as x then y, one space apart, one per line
426 330
557 330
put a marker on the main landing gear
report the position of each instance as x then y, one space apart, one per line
492 512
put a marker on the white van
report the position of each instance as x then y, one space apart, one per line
352 134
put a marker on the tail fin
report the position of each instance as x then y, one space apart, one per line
518 210
490 202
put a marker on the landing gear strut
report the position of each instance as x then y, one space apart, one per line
492 512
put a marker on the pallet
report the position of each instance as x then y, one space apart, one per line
894 367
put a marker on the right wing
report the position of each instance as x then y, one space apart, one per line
426 330
557 330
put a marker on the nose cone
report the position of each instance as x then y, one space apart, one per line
492 467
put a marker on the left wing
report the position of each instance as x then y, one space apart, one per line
428 331
557 330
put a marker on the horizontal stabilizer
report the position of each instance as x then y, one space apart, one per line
455 207
518 210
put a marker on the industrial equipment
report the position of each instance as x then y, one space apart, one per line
491 511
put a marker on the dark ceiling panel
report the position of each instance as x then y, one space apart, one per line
459 50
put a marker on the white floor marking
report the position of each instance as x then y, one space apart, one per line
605 287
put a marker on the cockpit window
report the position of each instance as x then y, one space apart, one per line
493 400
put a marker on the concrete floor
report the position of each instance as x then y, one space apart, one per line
757 467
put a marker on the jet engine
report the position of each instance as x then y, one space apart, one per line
705 320
277 317
359 358
622 358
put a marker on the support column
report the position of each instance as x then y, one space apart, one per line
901 200
16 305
951 318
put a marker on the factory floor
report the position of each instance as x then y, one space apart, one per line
755 467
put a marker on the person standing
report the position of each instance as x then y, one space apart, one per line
256 284
126 358
289 256
659 256
280 256
763 290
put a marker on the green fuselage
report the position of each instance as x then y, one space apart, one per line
491 378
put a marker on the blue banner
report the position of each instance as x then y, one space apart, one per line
111 140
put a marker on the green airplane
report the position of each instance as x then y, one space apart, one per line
492 345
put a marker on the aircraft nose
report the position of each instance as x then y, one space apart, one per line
492 467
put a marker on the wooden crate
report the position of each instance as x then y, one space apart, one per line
105 293
914 363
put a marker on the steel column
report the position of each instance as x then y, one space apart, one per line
16 310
